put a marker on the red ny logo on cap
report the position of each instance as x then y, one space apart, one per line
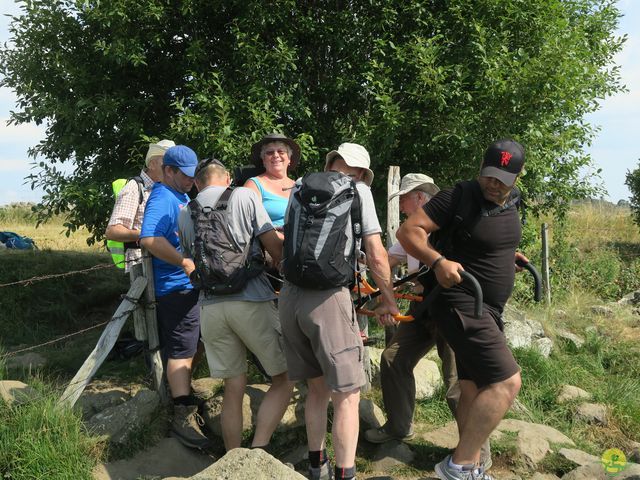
505 157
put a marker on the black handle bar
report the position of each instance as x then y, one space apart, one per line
477 292
537 279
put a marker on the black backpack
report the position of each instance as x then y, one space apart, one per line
468 200
222 267
315 228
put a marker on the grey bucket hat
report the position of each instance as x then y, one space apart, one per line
416 181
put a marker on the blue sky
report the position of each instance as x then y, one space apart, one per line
615 150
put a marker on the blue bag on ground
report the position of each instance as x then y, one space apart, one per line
15 241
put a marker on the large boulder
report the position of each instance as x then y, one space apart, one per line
593 413
93 402
596 471
523 332
243 464
119 422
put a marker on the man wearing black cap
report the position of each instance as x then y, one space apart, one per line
489 375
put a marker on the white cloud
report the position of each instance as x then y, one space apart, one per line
28 133
15 165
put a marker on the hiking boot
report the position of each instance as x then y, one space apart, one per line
380 435
323 472
469 472
186 426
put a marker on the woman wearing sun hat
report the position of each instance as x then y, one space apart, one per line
277 154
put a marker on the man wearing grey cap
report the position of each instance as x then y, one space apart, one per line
126 218
488 375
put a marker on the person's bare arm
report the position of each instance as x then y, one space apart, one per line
160 248
120 233
378 263
413 235
272 243
251 185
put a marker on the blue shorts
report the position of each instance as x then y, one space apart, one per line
179 324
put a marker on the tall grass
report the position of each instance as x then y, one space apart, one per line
40 440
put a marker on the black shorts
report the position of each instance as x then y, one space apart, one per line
482 354
179 324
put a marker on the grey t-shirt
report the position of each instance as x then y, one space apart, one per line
370 223
247 217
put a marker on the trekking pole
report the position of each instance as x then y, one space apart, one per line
537 279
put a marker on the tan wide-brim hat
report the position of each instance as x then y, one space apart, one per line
416 181
271 138
355 156
158 149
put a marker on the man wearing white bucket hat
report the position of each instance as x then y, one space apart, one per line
126 218
322 338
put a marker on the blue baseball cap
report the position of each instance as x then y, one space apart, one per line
182 157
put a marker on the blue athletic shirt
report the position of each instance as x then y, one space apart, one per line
161 220
275 205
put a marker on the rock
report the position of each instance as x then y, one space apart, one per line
594 413
118 422
242 464
520 331
531 448
204 388
374 357
428 379
213 407
13 391
26 361
520 408
634 455
578 456
569 393
593 471
572 338
391 454
443 437
544 476
168 458
602 311
542 431
371 415
632 298
91 403
543 346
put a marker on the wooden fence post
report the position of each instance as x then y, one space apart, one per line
139 320
153 338
393 223
105 344
545 263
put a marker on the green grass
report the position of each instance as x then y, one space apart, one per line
40 440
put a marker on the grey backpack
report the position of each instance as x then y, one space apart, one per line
222 267
315 240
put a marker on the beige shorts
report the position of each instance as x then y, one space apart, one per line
321 336
229 328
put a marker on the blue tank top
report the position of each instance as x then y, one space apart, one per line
275 205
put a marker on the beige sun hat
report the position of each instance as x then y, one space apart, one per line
355 156
158 149
416 181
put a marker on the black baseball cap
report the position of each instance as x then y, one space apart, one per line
504 160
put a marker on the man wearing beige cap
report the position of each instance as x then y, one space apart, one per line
322 337
126 219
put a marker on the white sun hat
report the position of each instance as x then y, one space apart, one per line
416 181
355 156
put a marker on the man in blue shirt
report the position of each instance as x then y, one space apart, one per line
177 302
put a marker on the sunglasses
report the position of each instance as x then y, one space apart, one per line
205 162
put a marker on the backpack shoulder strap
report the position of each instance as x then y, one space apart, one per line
140 182
223 201
356 214
465 200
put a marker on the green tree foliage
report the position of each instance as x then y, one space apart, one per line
633 182
425 84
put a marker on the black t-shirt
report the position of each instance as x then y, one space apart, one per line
489 253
